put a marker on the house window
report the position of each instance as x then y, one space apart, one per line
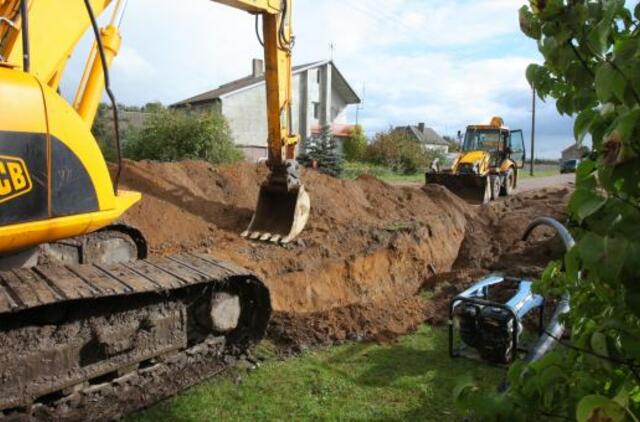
316 110
318 77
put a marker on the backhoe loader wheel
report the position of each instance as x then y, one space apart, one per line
496 185
509 183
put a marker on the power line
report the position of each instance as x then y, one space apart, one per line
380 16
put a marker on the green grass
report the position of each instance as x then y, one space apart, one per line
410 380
540 170
352 170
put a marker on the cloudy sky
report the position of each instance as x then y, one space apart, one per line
447 63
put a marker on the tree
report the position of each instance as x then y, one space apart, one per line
592 56
454 144
355 145
102 130
170 135
323 151
401 154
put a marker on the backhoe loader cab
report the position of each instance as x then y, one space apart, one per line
488 164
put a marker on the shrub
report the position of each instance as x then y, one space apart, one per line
396 151
355 145
171 135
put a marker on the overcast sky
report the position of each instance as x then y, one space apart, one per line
447 63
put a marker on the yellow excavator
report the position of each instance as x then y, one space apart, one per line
487 165
88 322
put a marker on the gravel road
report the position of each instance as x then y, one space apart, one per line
534 183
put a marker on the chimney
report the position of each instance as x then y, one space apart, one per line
421 127
258 68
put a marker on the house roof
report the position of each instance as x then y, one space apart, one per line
574 147
251 81
428 136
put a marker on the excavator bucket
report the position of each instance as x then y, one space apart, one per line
472 188
281 214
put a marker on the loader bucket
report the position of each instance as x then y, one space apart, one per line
472 188
280 215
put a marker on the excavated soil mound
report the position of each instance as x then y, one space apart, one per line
368 249
366 242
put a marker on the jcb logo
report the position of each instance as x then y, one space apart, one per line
14 178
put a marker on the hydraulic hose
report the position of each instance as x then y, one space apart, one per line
26 54
107 86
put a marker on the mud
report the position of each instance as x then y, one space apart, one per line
369 249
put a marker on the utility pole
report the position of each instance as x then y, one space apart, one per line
533 130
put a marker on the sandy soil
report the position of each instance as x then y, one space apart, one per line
368 250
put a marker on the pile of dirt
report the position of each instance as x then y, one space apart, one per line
368 249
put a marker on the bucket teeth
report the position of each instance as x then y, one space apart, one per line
276 238
265 237
280 214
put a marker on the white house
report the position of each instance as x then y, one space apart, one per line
574 152
321 96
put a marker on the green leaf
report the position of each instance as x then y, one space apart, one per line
532 74
464 383
585 203
599 36
529 24
599 344
591 248
627 123
610 83
582 124
636 11
594 406
633 301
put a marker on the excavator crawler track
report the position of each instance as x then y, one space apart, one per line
98 341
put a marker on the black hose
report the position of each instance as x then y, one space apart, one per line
107 86
257 24
26 48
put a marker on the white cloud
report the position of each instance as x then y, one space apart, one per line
445 62
132 65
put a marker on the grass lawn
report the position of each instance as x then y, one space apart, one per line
540 170
353 170
410 380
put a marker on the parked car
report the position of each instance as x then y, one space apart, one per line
569 166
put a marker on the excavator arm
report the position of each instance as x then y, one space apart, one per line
283 205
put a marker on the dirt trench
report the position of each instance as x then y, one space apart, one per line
369 247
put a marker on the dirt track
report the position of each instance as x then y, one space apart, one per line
368 249
533 183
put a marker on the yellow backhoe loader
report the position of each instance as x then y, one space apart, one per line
87 322
488 164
